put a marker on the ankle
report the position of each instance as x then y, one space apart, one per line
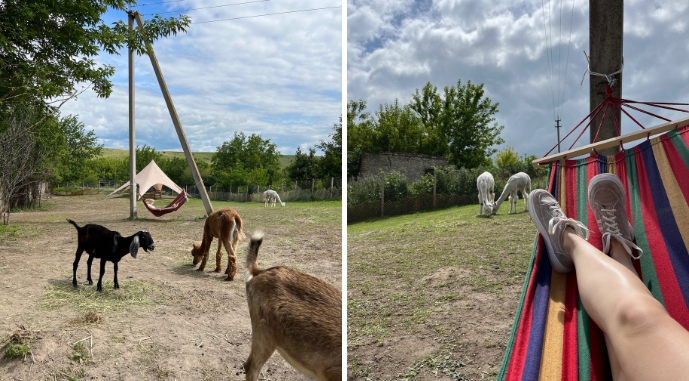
568 239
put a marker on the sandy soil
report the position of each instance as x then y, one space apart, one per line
185 325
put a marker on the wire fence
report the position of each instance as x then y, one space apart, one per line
244 193
389 194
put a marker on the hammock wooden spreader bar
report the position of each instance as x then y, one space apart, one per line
173 206
612 142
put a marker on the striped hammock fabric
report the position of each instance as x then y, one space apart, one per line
552 336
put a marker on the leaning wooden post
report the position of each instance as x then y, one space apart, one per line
175 120
382 198
332 179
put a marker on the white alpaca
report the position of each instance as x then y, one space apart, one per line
486 194
271 195
517 182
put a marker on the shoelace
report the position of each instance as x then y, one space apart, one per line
611 230
560 218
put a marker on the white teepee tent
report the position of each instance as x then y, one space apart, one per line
151 176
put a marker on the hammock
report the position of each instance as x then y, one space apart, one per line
552 336
173 206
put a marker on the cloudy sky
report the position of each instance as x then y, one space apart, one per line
278 76
397 46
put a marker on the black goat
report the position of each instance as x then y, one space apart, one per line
108 245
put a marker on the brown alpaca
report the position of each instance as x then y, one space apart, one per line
226 225
295 313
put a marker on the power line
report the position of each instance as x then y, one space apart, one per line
267 14
215 6
162 2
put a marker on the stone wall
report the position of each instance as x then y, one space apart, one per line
411 165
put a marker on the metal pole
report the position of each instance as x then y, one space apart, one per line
132 130
606 21
178 125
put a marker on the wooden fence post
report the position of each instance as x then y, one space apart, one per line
434 196
331 186
382 198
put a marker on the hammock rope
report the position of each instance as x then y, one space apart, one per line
612 103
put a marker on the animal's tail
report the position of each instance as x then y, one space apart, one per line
73 223
252 268
239 224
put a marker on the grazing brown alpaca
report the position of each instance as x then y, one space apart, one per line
296 314
226 225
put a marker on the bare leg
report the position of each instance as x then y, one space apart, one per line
645 342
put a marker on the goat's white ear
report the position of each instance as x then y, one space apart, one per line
134 247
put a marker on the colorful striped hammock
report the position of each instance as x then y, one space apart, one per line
553 337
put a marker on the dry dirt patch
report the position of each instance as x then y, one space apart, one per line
167 321
432 296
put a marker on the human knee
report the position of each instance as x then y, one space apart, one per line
639 315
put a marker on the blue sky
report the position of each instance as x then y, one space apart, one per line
277 76
397 46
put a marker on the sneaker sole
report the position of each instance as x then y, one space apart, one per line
554 262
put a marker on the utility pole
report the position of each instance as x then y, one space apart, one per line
606 20
132 130
557 125
178 125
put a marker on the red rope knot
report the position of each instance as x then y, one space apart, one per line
608 91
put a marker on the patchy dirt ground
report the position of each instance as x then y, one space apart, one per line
432 296
167 321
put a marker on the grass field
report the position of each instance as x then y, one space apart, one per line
285 160
167 321
434 294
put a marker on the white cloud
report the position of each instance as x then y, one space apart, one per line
277 76
503 45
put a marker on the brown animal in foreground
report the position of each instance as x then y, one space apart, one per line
295 313
226 225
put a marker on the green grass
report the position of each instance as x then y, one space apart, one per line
403 269
10 231
87 298
16 351
284 160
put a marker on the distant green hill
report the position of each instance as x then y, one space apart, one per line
285 160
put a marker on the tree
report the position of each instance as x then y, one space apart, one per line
331 163
429 107
359 135
47 47
469 125
73 147
507 161
244 154
20 157
304 167
144 155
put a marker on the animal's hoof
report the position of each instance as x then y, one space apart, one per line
75 285
100 289
90 283
217 270
199 269
228 279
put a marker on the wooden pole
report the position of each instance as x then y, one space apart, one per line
382 198
606 21
434 182
132 130
178 125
